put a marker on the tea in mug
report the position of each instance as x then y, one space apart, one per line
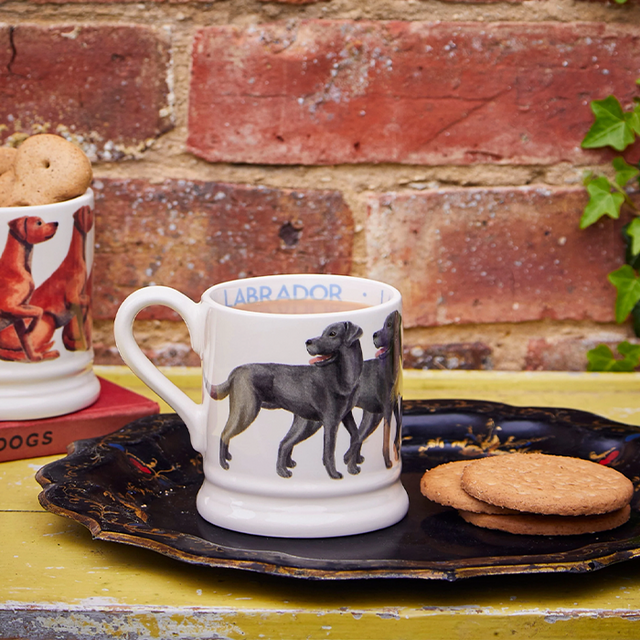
307 305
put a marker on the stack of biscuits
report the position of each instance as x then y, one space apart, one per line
532 493
44 169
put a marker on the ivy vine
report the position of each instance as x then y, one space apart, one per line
616 128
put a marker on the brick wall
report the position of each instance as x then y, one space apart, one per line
431 144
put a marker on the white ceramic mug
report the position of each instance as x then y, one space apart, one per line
301 415
46 354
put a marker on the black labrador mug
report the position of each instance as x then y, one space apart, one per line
300 422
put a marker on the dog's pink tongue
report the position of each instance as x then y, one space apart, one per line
381 352
317 359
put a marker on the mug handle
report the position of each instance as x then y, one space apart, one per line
193 414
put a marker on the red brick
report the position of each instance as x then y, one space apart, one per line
112 1
565 354
191 235
495 255
107 84
460 356
326 92
115 1
294 1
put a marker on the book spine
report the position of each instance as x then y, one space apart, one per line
44 439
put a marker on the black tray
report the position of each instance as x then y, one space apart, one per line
138 486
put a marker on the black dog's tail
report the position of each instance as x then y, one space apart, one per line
218 391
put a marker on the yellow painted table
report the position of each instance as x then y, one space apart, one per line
56 582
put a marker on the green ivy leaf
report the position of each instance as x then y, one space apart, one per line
635 320
612 127
602 359
624 171
629 257
632 230
633 260
631 352
633 118
599 358
627 283
601 202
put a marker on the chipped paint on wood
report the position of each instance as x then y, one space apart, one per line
441 623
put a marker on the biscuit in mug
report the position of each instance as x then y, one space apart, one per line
47 169
7 158
7 177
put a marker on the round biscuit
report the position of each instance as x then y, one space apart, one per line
547 484
7 180
442 485
7 158
539 525
49 169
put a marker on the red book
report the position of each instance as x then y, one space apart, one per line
115 407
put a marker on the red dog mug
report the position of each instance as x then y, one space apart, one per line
46 354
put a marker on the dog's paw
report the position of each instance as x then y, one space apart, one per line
353 469
73 345
283 472
12 356
224 457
